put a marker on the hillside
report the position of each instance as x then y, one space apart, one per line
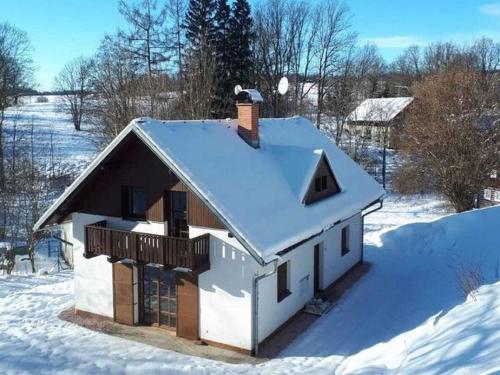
405 316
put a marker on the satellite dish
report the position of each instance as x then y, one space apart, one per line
237 89
283 86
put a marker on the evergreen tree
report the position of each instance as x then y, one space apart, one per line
223 105
240 39
200 25
199 67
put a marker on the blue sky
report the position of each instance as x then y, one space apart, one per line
63 29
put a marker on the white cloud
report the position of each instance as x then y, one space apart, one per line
396 41
490 9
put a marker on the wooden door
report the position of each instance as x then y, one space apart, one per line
316 269
123 293
187 306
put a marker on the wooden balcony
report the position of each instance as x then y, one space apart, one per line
191 253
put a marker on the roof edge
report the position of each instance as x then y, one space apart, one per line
90 168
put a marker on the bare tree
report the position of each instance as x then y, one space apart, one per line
486 56
275 41
15 73
409 65
147 44
73 82
174 16
117 92
334 40
448 134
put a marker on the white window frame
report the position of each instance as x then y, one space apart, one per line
487 194
496 196
494 173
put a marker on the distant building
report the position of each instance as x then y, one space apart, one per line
372 117
490 194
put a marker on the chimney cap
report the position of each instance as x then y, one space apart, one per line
249 96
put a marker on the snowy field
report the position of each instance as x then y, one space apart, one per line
405 316
72 149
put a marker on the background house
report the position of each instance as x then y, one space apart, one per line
373 117
490 194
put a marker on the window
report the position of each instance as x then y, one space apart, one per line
283 290
134 203
496 196
487 194
177 214
345 240
320 183
493 173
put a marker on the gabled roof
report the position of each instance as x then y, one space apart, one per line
379 109
257 193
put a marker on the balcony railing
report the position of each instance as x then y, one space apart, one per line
191 253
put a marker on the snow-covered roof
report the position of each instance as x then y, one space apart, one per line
379 109
258 193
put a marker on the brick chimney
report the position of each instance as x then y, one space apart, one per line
247 102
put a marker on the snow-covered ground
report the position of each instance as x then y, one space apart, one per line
406 315
72 150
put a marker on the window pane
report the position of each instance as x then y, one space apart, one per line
317 184
323 182
138 202
345 240
282 279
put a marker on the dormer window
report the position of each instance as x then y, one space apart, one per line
323 183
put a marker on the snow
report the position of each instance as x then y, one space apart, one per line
404 316
254 95
379 109
72 149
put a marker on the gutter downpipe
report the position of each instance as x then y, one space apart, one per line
381 204
255 302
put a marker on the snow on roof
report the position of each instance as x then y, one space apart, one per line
257 192
380 109
255 95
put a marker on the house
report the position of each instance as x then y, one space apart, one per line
490 194
218 230
373 117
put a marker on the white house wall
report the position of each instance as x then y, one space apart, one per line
333 265
225 291
94 277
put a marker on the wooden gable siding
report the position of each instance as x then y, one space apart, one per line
198 212
133 164
333 188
